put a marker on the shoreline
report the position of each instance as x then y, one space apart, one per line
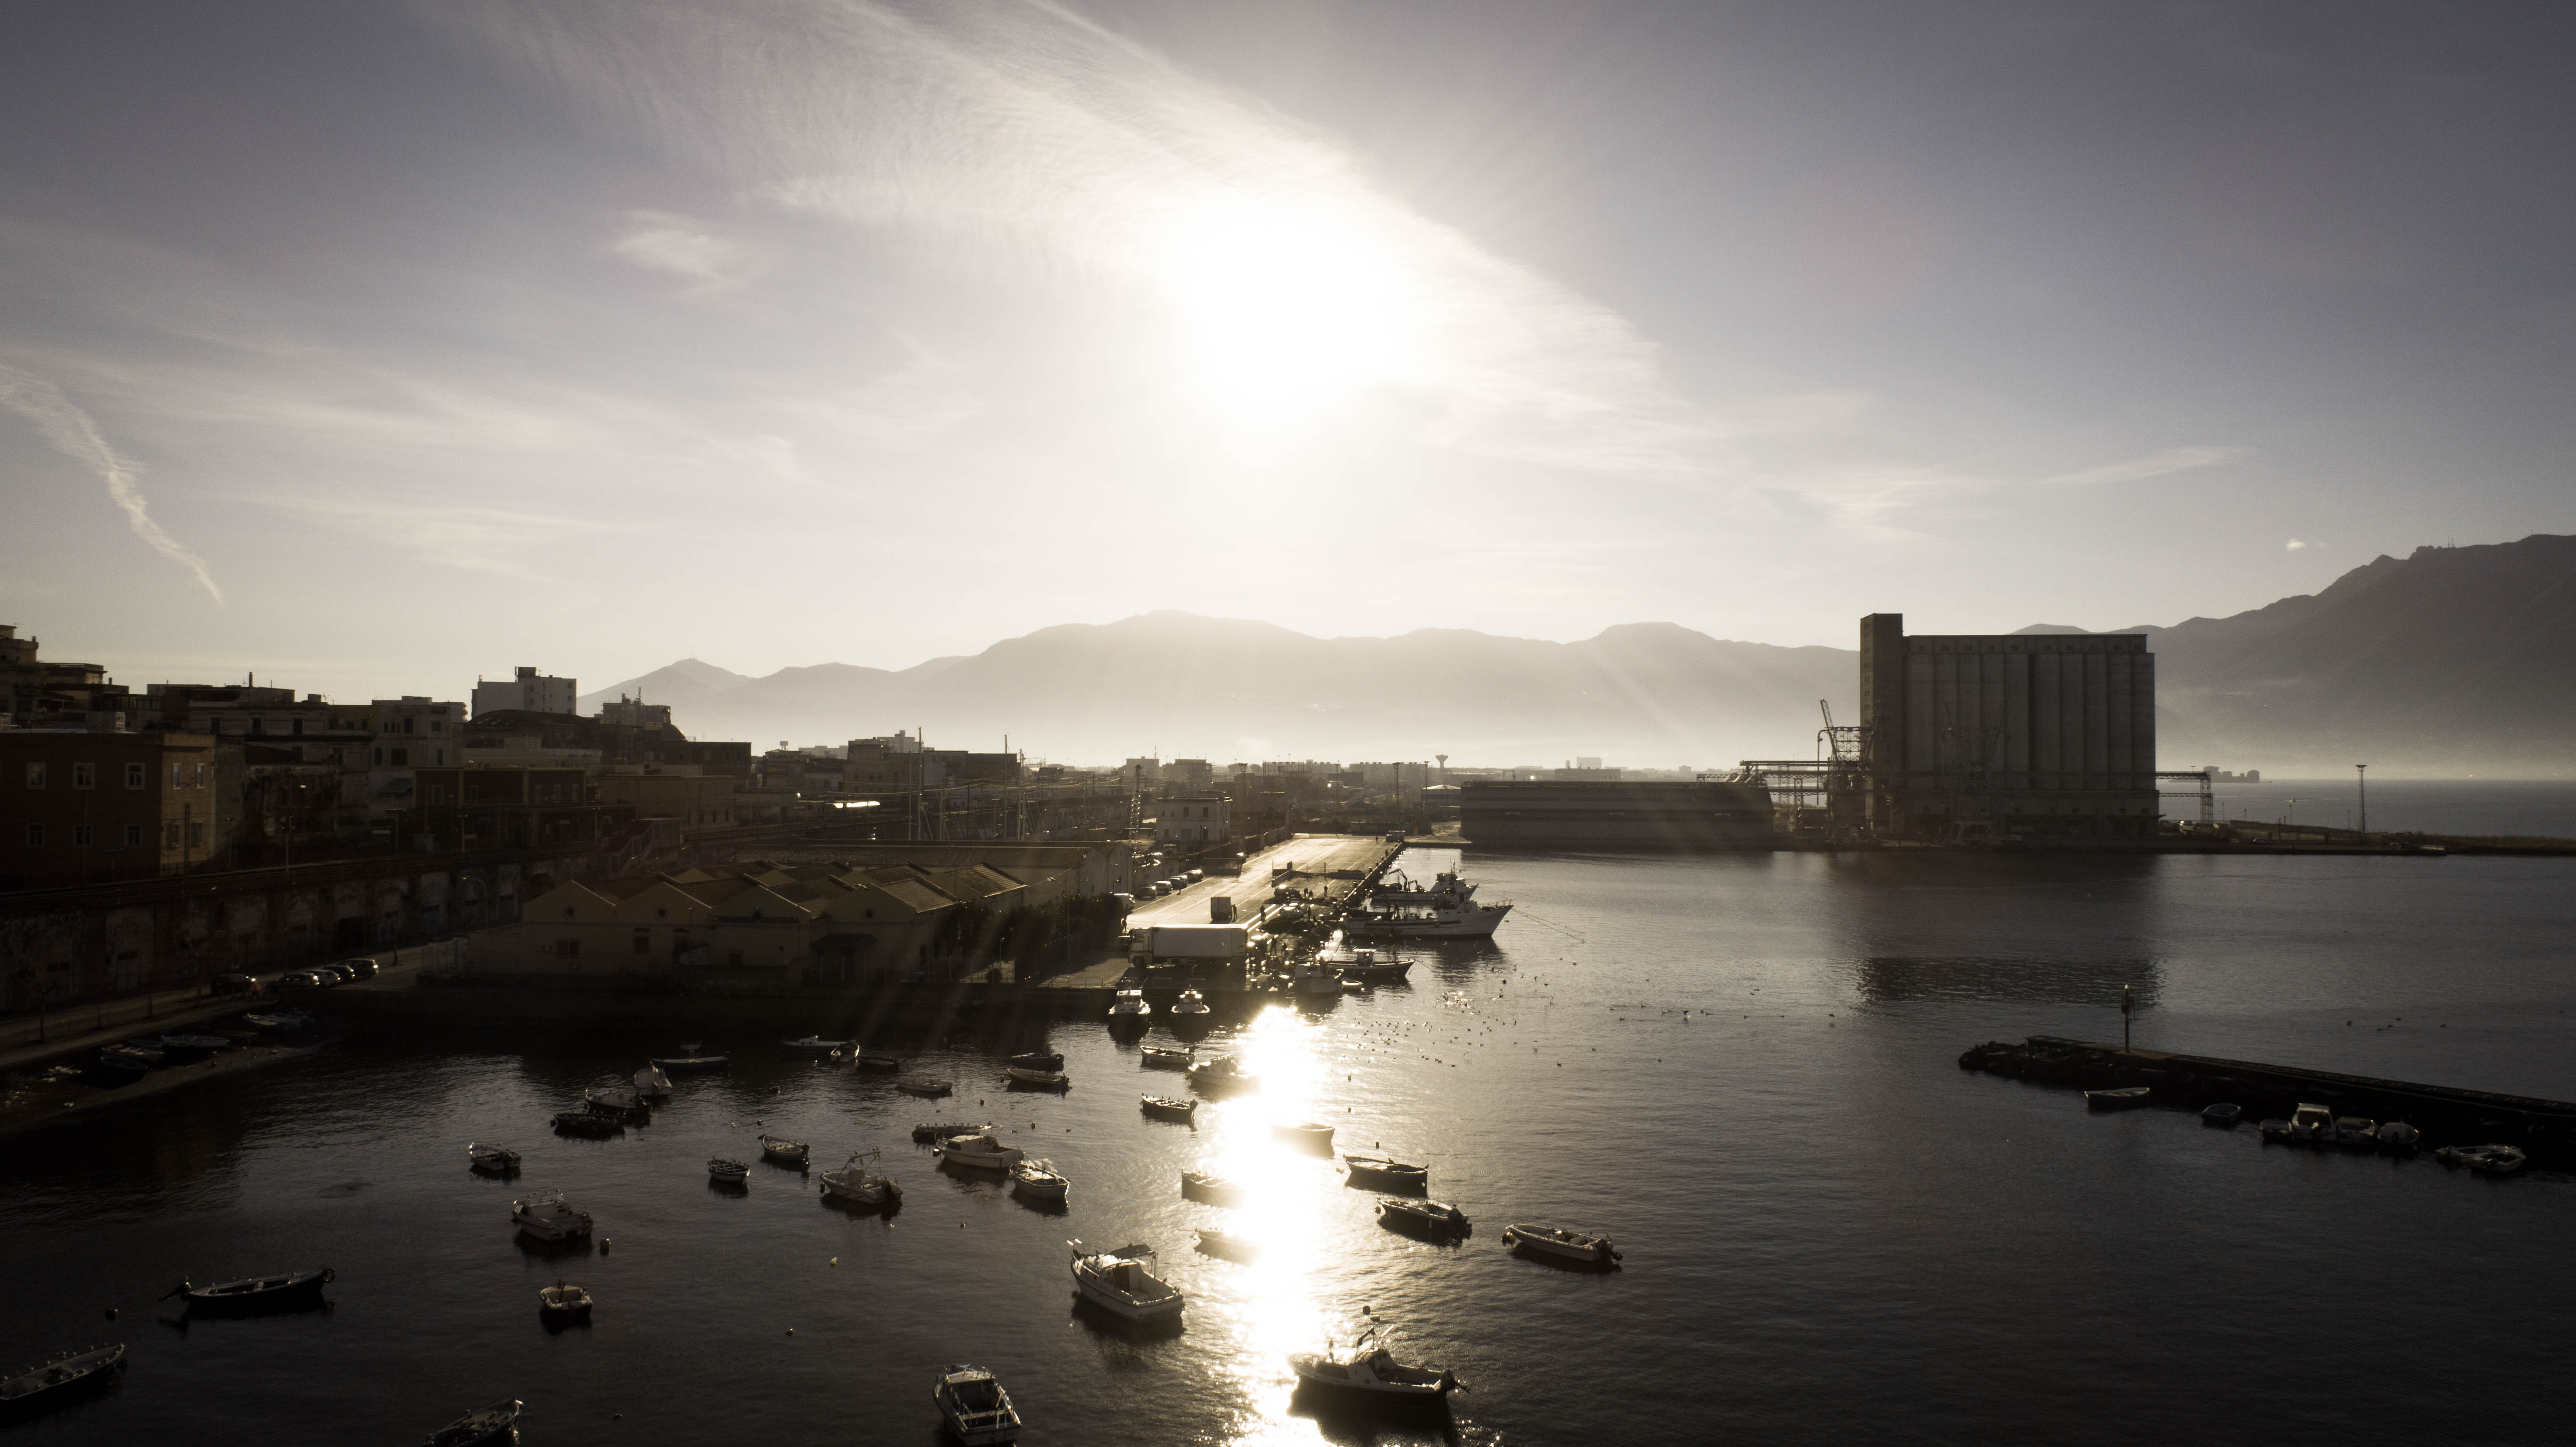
41 1103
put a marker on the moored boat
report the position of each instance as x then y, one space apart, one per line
2223 1115
978 1412
2274 1129
1039 1181
549 1218
1129 1008
1232 1245
1164 1107
924 1085
880 1062
1037 1060
1162 1057
288 1291
725 1171
2353 1133
1312 1135
1213 1189
193 1047
1023 1078
1221 1076
685 1064
618 1105
279 1022
814 1042
1122 1283
60 1378
563 1302
491 1160
1372 1373
933 1134
1463 920
2127 1097
1191 1009
1436 1219
853 1183
652 1083
584 1123
2397 1138
1558 1242
1385 1173
480 1427
2492 1160
784 1151
982 1151
2312 1125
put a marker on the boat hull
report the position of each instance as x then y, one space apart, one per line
1536 1242
297 1291
65 1379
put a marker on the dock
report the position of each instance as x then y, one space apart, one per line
2447 1115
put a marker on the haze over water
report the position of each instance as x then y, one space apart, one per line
1831 1232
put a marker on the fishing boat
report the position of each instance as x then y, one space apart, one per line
1464 920
1121 1282
583 1123
1435 1219
924 1085
2224 1116
652 1083
2312 1125
1022 1078
982 1151
2127 1097
1314 979
933 1134
1163 1107
550 1218
1558 1242
1129 1008
1039 1181
1396 891
1190 1009
689 1064
1232 1245
784 1151
60 1378
1213 1189
2397 1138
563 1302
480 1427
725 1171
1368 966
290 1291
1372 1373
814 1042
1385 1173
1312 1135
1037 1060
977 1410
1222 1076
880 1062
853 1184
618 1105
1163 1057
491 1160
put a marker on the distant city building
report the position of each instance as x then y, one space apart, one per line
528 691
82 807
632 713
1192 819
1141 773
1188 773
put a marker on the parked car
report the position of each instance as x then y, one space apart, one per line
361 969
328 976
236 984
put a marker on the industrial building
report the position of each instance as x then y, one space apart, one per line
1584 814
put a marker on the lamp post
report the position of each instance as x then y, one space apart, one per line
2361 781
2125 1005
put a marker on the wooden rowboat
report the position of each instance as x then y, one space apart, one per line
286 1292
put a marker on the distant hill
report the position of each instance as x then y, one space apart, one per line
2451 661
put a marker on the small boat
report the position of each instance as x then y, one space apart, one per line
814 1042
1163 1057
2312 1125
563 1302
58 1379
2493 1160
1311 979
2353 1133
1435 1219
2222 1115
151 1057
1221 1076
725 1171
1232 1245
2275 1129
1372 1373
1039 1181
784 1151
194 1047
1367 966
1310 1135
977 1410
1120 1282
852 1183
582 1122
1163 1107
1558 1242
933 1134
2127 1097
279 1022
1023 1078
617 1105
686 1064
1038 1060
550 1218
1129 1008
924 1085
1353 985
491 1160
2397 1138
481 1427
287 1292
1215 1190
880 1062
652 1083
982 1151
1385 1172
1191 1007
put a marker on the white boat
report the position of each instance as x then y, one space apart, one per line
1119 1282
1163 1057
492 1160
652 1084
1371 1372
853 1184
1232 1245
1447 890
1311 1135
1222 1075
977 1410
1314 979
1191 1003
784 1151
1039 1180
2398 1138
982 1151
1129 1007
728 1172
550 1218
564 1301
1467 920
1558 1242
2312 1125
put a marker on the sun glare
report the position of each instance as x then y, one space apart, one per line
1283 309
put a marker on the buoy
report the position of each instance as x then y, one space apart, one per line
111 1313
603 1245
791 1331
836 1260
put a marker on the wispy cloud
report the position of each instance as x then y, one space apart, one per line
685 247
74 434
2139 469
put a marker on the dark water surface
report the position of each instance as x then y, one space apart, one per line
1832 1233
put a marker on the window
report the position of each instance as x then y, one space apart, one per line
84 776
402 757
170 834
380 756
201 776
407 724
569 949
175 779
81 835
134 835
134 776
36 774
196 835
35 836
643 943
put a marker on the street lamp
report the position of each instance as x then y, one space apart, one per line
2361 781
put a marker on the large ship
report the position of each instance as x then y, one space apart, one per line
1446 911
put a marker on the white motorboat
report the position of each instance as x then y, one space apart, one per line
1466 920
491 1160
1163 1057
496 1423
1039 1181
977 1410
725 1171
933 1134
550 1218
1558 1242
652 1084
1314 979
1222 1076
1129 1008
1368 967
2356 1133
2312 1125
1191 1004
853 1184
563 1301
1312 1135
1373 1373
1120 1282
982 1151
784 1151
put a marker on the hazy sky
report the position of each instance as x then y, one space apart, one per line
371 347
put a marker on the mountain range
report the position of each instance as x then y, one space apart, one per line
2452 660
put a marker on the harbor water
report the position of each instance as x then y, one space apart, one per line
1741 1068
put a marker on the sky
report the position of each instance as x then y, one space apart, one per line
371 348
